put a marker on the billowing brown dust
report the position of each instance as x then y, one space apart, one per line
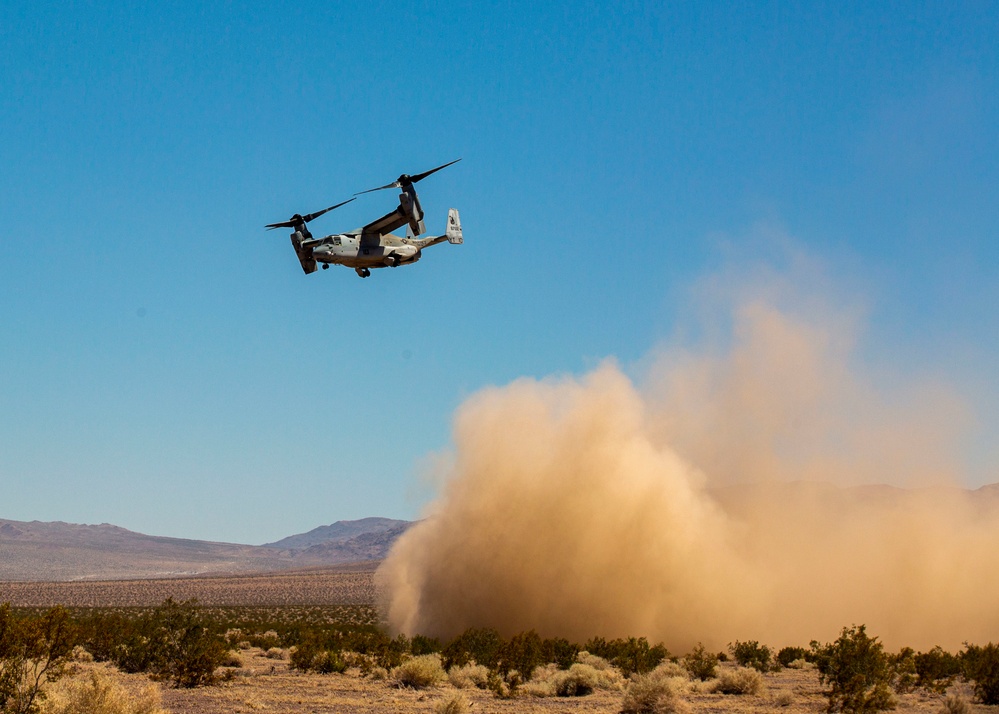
582 507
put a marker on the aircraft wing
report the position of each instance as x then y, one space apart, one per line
387 223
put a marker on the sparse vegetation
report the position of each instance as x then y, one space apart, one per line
857 671
955 704
630 655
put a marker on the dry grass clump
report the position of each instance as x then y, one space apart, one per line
469 676
592 660
577 681
80 654
232 659
420 672
100 694
741 680
378 673
798 664
784 699
955 704
455 704
658 692
276 653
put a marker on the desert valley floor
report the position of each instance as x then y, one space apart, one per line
267 684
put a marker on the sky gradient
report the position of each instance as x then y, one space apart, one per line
166 366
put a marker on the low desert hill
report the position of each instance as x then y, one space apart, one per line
38 551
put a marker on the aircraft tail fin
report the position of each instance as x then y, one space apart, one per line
453 231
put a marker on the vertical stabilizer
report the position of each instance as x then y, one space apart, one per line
453 231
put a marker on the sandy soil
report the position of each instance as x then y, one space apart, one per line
267 685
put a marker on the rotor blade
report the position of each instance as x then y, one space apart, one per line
296 219
394 184
420 177
319 213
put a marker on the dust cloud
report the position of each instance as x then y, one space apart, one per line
721 498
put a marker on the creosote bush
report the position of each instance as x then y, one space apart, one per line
752 654
857 671
981 667
787 655
700 663
936 669
33 653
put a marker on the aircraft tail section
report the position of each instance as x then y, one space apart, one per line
453 231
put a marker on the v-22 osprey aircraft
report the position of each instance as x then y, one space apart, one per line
373 245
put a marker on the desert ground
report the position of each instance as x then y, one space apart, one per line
262 683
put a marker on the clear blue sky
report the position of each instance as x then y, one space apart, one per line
166 366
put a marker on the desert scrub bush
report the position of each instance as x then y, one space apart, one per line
581 679
469 676
981 668
658 692
857 671
700 663
955 704
630 655
173 642
936 669
33 653
421 645
420 672
101 694
903 670
740 680
480 645
784 698
752 654
454 704
787 655
378 673
522 653
275 653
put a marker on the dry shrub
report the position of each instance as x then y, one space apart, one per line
784 698
955 704
420 672
798 664
455 704
581 679
741 680
469 676
379 673
101 694
592 660
80 654
658 692
669 668
275 653
232 659
542 682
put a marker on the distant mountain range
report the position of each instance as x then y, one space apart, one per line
67 551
